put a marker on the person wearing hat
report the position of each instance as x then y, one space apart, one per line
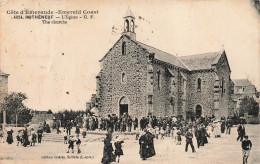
118 147
143 142
241 131
108 155
150 142
77 131
197 133
9 139
71 144
246 147
189 137
78 142
39 134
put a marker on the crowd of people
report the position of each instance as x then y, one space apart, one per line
25 137
147 129
158 128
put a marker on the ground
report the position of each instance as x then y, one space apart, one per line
224 150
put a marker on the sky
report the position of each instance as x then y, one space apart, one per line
55 65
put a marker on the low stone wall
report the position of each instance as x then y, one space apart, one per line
40 118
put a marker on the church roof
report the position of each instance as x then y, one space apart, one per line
163 56
192 62
242 82
201 61
2 73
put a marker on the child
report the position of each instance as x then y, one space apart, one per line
33 135
246 147
65 137
162 133
19 137
71 144
1 136
157 132
84 133
172 132
178 138
30 137
78 142
137 134
77 130
167 130
118 148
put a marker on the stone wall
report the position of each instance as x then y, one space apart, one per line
111 87
177 90
170 97
41 117
226 105
203 97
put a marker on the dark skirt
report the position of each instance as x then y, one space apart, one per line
119 152
9 139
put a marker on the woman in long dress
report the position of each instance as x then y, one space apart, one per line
143 146
25 138
108 155
9 139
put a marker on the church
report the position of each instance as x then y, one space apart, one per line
142 80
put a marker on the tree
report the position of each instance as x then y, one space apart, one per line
13 105
24 115
248 104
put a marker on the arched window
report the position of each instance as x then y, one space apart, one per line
132 26
223 85
126 26
199 85
159 78
123 48
123 78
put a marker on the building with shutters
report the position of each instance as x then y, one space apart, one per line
142 80
243 88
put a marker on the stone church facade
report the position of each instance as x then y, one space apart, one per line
142 80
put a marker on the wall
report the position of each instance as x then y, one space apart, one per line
204 97
3 88
169 98
226 105
111 89
40 118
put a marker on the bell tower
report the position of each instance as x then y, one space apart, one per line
129 24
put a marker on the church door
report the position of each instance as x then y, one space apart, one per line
123 106
198 110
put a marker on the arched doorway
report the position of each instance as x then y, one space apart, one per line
198 110
123 106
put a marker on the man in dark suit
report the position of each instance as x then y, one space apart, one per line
189 137
39 133
241 131
197 135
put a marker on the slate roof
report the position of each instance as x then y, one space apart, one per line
191 62
163 56
242 82
201 61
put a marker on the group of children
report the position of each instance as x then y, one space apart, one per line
69 139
